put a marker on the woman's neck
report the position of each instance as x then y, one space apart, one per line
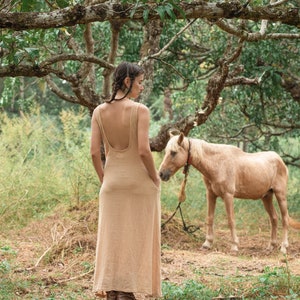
120 96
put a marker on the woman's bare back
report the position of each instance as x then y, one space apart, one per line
116 122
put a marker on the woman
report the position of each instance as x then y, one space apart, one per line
128 242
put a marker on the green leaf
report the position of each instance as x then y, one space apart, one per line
33 52
170 12
133 11
146 15
181 11
161 11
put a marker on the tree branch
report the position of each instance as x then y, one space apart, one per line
213 91
77 57
241 81
256 36
151 38
80 14
160 52
56 90
116 27
43 68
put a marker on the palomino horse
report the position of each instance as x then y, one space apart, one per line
229 172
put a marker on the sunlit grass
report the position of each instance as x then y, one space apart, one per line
40 169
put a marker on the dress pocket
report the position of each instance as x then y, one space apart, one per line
157 187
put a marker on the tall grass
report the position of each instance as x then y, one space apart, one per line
44 162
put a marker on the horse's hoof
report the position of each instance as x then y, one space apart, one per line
283 250
284 247
204 249
270 249
206 246
234 249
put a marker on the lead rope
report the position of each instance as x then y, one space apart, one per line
182 197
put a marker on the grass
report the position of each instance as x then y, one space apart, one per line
188 290
274 283
46 168
44 163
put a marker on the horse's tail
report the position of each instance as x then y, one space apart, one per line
293 223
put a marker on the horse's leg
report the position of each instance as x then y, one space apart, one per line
211 206
269 207
282 202
228 200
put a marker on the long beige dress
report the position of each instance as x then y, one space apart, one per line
128 241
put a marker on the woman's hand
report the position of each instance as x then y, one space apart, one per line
157 181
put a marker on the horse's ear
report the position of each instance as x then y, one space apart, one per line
180 139
173 132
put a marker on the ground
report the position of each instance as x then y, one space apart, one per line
60 250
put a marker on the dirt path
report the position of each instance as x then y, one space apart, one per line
62 251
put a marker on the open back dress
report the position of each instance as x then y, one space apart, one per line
128 240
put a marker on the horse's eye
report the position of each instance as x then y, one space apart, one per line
173 153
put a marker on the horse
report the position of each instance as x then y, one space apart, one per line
229 172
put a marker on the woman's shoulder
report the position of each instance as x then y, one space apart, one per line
143 112
96 111
100 107
141 107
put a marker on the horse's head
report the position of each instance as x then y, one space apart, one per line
176 155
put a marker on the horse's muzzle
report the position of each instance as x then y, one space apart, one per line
165 175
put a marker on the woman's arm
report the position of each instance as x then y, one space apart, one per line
95 147
143 143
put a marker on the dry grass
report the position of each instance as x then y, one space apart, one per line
58 254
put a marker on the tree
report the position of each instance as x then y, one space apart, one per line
182 45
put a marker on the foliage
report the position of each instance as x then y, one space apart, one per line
251 115
165 9
44 162
189 290
275 282
255 117
22 94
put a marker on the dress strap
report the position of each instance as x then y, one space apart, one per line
99 121
133 122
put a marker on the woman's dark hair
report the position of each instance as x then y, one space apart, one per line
123 70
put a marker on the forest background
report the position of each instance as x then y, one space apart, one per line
223 71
